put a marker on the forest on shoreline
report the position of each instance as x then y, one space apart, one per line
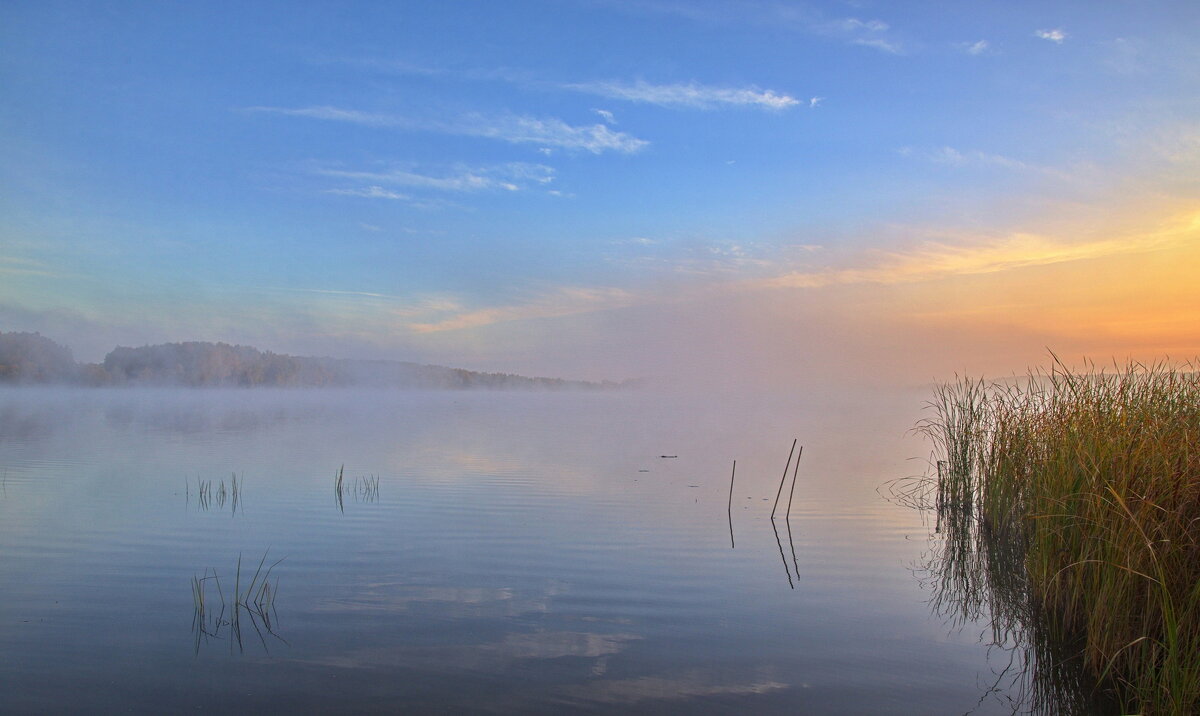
32 359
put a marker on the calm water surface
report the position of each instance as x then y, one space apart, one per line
523 552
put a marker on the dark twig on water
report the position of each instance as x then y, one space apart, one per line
731 476
792 494
783 479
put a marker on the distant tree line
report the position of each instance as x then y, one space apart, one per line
33 358
30 358
211 364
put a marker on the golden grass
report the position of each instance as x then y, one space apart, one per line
1092 478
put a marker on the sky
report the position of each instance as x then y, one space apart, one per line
777 192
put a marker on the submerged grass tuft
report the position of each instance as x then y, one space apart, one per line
364 488
1077 494
210 495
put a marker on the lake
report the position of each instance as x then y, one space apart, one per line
489 552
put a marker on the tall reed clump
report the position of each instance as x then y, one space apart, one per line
1093 477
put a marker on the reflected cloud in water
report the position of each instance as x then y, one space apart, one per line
688 685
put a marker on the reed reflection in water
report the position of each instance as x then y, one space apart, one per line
975 572
256 601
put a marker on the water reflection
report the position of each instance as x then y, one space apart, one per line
686 685
975 573
779 543
20 424
518 563
255 602
787 515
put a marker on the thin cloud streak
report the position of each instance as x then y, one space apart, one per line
28 272
690 95
370 192
880 44
548 132
953 157
565 301
869 33
511 128
16 266
335 292
513 176
976 159
332 114
873 33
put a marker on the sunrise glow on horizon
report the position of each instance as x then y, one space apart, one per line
595 189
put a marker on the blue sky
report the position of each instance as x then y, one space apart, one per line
601 189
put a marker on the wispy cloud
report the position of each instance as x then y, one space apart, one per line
563 301
370 192
872 33
868 33
391 308
690 95
879 44
950 156
548 132
694 258
19 261
375 191
335 292
974 159
513 176
512 128
975 48
333 114
13 265
1056 35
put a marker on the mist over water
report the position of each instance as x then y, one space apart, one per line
521 552
397 356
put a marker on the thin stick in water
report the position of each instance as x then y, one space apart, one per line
792 494
731 476
783 479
